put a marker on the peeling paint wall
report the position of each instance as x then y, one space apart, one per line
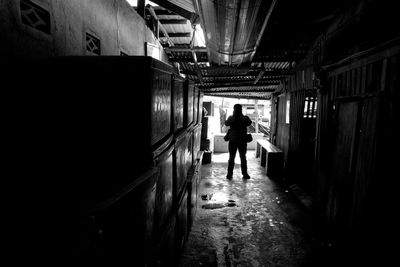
116 25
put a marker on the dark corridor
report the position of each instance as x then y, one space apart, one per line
106 136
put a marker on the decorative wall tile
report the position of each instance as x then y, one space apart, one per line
35 16
92 44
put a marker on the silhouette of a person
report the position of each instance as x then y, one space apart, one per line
238 124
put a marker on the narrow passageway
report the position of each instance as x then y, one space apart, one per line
255 222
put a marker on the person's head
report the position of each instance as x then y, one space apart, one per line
237 109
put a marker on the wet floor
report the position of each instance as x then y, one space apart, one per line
255 222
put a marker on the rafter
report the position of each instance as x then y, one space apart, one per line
250 73
242 87
173 21
262 95
185 49
179 34
193 17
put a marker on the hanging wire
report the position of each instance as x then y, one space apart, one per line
193 36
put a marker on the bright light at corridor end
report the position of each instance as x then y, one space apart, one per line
134 2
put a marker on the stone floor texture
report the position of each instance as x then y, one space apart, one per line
255 222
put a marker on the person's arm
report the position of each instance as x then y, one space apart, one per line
247 121
229 121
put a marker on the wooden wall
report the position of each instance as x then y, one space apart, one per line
341 154
356 128
295 135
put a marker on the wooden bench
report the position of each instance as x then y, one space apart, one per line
271 158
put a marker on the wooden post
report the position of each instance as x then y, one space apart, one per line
256 113
196 66
157 29
140 7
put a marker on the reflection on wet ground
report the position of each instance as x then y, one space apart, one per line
254 222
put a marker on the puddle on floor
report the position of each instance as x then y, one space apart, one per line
217 201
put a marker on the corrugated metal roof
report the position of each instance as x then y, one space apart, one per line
232 28
249 95
255 88
186 4
181 40
255 81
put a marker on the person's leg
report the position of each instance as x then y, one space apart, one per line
243 161
231 162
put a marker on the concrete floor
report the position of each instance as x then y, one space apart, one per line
255 222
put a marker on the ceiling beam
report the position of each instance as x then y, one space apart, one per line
185 49
240 87
196 66
209 85
271 8
237 69
240 91
163 12
259 76
206 85
274 74
262 96
238 77
188 59
140 7
251 26
192 17
173 21
179 34
249 74
160 26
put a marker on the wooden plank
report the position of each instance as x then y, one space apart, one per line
365 57
383 75
263 27
263 157
334 88
342 164
185 49
352 82
370 68
270 86
259 76
177 9
174 21
365 158
358 80
363 79
393 73
274 165
268 146
140 7
348 83
149 176
179 34
340 85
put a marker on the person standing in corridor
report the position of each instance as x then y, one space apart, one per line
238 124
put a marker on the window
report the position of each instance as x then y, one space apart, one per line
287 109
310 107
